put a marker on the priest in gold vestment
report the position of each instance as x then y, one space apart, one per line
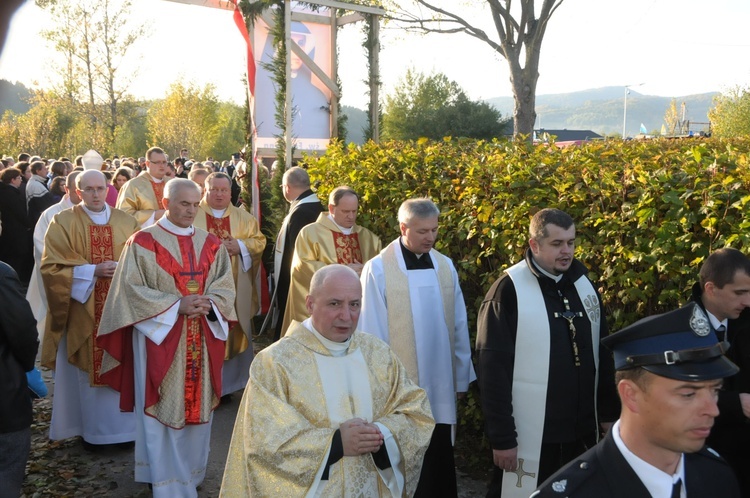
328 411
333 238
163 333
142 196
81 248
239 233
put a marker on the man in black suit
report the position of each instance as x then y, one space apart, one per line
723 291
304 209
669 372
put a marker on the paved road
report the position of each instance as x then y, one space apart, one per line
64 468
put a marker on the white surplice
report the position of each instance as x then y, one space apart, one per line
77 408
430 331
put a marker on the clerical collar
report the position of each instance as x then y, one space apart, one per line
556 278
414 261
345 231
155 180
335 348
171 227
656 481
100 218
218 213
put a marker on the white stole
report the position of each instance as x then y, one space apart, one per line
531 372
400 320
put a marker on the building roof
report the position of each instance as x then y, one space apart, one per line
566 135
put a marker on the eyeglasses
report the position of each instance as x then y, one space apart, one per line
91 190
157 162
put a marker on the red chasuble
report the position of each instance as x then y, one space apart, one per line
194 270
102 250
347 248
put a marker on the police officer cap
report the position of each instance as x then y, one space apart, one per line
679 345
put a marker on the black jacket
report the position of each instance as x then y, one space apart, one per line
18 347
303 215
16 239
569 414
603 472
730 435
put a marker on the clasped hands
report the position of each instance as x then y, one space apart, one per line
105 269
194 306
359 437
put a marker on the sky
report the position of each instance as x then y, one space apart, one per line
669 48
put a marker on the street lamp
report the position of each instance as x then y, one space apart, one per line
625 108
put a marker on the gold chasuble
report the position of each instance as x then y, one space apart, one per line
238 224
74 240
140 197
295 401
320 244
183 372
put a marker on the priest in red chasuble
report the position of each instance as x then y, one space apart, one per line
163 332
333 238
81 249
142 196
239 232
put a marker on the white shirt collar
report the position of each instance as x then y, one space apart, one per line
165 223
100 218
335 348
556 278
658 483
715 323
218 213
345 231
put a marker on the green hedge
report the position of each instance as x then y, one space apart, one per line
647 212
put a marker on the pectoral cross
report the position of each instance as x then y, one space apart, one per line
570 316
192 285
521 473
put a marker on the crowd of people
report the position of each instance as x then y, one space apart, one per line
141 281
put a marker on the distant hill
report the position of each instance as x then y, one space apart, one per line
14 97
601 109
356 123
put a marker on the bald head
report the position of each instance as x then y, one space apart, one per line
334 302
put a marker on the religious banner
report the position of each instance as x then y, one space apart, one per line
311 116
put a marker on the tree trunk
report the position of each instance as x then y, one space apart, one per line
524 95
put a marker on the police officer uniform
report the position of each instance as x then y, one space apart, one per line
679 345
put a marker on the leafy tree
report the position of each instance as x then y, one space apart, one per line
194 117
435 107
519 40
730 116
94 37
672 118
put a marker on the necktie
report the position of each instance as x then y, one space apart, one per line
721 331
677 488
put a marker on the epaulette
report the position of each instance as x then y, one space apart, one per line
711 453
566 481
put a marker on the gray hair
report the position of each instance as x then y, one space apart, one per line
421 207
173 186
329 271
297 177
339 193
70 180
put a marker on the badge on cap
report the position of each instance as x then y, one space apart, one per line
699 322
